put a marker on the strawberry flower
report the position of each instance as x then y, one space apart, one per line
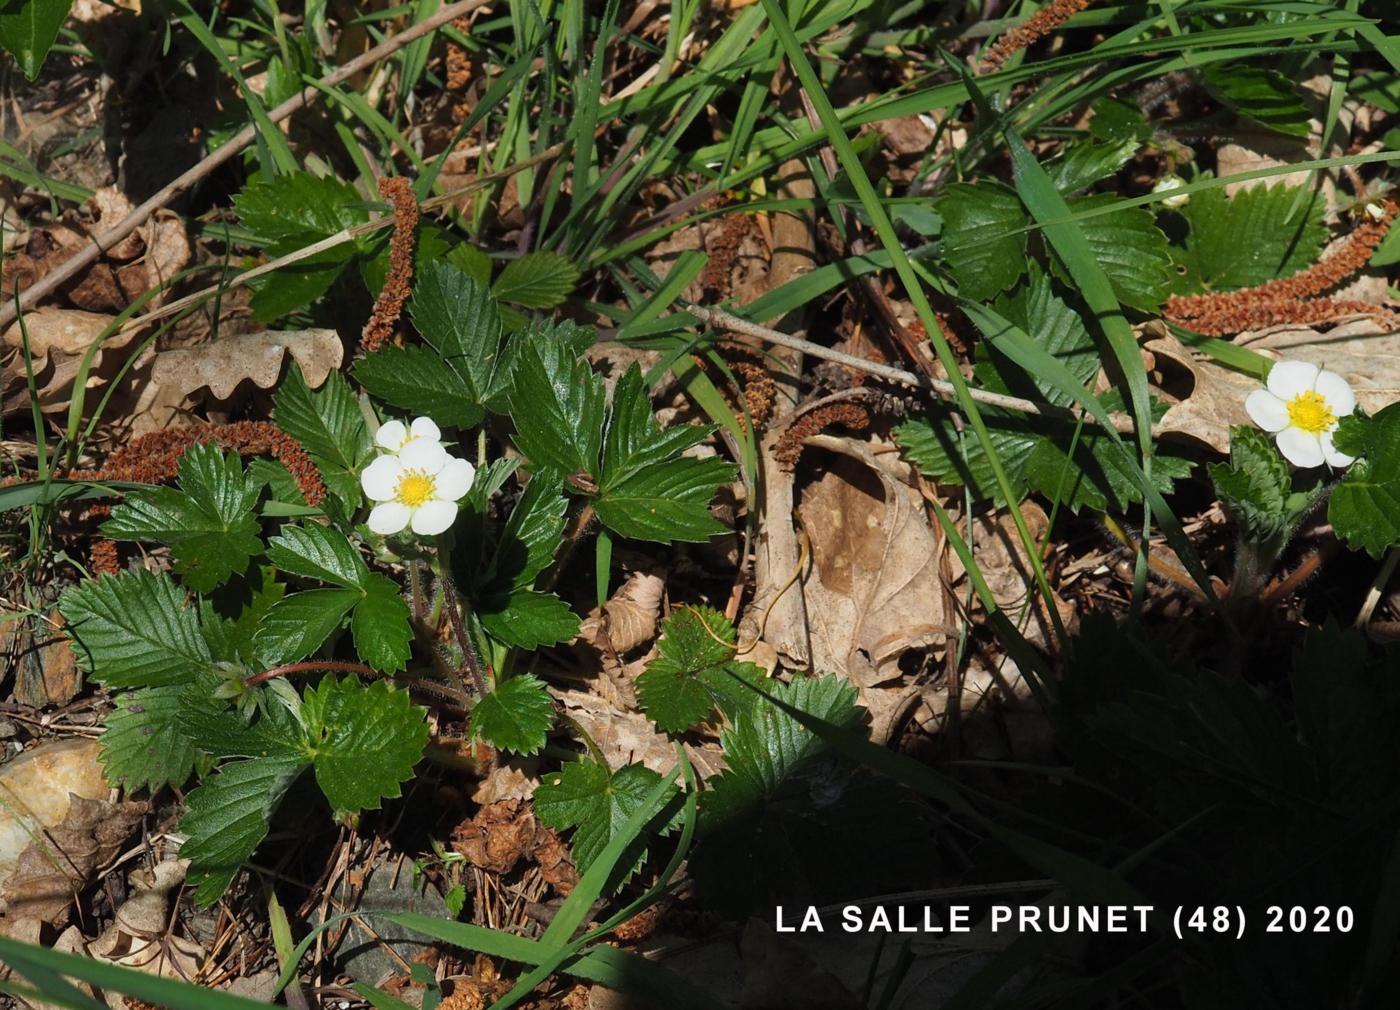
415 482
1301 407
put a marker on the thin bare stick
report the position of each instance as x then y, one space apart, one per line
100 243
728 321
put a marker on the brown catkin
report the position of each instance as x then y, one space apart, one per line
789 447
1030 31
1289 299
397 285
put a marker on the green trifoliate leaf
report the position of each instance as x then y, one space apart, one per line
1254 236
329 425
1130 247
363 739
585 796
1254 486
790 817
1365 506
206 520
228 817
299 623
289 213
135 630
694 672
648 490
539 280
984 237
143 746
515 716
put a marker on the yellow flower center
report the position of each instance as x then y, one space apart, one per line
416 487
1309 412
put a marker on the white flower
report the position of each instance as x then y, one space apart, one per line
394 435
1301 407
416 482
1166 185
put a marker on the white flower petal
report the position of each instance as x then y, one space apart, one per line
391 435
1330 453
454 480
423 454
380 480
1300 448
1289 378
423 427
432 518
1336 391
1266 410
390 517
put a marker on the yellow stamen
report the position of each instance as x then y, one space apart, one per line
1309 412
415 488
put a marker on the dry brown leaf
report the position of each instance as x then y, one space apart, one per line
223 364
629 619
507 781
505 832
1214 398
874 592
624 737
59 863
139 936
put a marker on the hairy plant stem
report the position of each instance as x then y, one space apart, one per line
577 528
310 664
459 629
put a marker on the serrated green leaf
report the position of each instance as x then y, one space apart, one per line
415 379
28 30
473 262
1254 486
1365 507
206 520
364 741
515 716
694 671
329 425
538 280
527 619
984 237
1265 96
318 552
1050 321
380 625
942 453
1084 163
1093 477
135 630
789 819
296 625
532 534
458 318
1116 120
1256 235
558 406
1130 248
290 212
585 796
142 745
227 818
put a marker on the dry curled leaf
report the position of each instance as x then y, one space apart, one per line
629 619
874 592
624 737
60 861
503 833
222 364
1211 397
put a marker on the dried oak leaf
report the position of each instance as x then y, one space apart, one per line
222 364
1213 399
59 863
874 592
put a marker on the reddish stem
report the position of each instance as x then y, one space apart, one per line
311 664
